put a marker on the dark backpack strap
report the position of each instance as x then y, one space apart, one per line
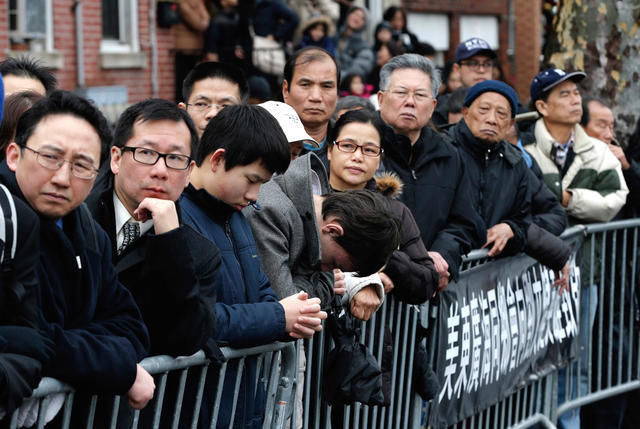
8 226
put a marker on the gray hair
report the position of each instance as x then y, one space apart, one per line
353 102
410 61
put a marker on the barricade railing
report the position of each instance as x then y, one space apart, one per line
275 365
404 409
608 363
608 358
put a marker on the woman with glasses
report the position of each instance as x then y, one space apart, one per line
354 157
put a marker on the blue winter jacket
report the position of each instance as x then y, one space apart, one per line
247 310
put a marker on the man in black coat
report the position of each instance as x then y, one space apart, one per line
169 268
436 188
502 182
96 326
499 175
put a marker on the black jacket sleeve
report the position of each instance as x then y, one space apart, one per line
178 302
546 210
465 229
546 248
410 268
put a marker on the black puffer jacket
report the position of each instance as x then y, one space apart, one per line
437 192
500 183
410 268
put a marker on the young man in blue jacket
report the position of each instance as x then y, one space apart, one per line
96 326
240 149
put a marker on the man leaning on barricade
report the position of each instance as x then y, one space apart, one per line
502 183
585 177
96 327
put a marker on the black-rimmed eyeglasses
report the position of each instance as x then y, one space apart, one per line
147 156
53 161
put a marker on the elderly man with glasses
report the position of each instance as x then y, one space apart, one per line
168 267
436 188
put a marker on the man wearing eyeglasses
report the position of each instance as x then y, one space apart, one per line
96 327
209 88
168 267
436 189
474 60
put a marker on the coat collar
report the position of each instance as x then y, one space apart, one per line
462 137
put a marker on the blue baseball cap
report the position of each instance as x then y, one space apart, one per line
472 47
547 79
493 86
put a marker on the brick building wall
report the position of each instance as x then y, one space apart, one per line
136 78
524 63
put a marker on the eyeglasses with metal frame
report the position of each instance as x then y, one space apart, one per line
53 161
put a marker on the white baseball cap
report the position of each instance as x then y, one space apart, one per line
289 122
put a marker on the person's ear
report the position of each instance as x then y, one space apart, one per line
465 112
285 91
188 175
541 106
216 160
13 154
334 229
182 106
116 158
380 96
455 67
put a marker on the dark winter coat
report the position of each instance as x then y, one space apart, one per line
410 268
97 328
248 312
500 184
274 17
172 278
437 191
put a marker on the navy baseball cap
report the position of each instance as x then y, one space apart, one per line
472 47
547 79
493 86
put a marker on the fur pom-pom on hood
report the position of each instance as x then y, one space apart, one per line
389 184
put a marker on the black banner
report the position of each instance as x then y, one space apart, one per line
501 325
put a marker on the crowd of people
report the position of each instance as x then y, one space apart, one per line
217 222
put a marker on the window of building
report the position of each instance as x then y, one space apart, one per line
120 26
31 22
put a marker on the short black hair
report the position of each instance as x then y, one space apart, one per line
14 107
371 231
247 134
586 117
425 49
356 116
60 102
25 66
455 101
214 70
308 55
152 109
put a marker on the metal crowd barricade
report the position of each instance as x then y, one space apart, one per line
276 366
609 364
405 406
